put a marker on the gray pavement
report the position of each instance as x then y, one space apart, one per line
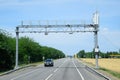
64 69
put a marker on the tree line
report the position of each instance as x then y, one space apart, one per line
29 51
83 54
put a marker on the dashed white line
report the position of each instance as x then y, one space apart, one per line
55 70
24 74
59 66
48 76
37 70
78 71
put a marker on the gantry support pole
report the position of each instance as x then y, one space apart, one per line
96 47
17 37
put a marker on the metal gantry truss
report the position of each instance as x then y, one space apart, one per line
59 28
67 28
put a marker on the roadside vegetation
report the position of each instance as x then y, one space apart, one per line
29 51
110 65
83 54
109 62
114 73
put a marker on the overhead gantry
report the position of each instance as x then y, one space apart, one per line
60 28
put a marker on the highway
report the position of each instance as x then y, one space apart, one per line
64 69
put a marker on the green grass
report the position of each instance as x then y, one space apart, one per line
116 74
22 65
34 64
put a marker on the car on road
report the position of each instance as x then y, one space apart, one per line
48 62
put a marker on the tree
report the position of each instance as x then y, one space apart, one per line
81 54
29 51
6 51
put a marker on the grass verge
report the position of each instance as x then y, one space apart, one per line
116 74
23 65
36 63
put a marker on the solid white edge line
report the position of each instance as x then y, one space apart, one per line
94 69
78 71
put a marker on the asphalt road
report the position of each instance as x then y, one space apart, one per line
64 69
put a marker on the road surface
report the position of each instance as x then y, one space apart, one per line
64 69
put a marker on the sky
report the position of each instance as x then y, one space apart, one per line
12 12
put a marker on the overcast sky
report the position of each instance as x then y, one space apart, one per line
12 12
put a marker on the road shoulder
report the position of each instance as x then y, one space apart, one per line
100 70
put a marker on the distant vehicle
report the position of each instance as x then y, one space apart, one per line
48 62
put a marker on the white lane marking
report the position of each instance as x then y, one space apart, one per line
63 63
24 74
60 66
55 70
78 71
34 71
49 76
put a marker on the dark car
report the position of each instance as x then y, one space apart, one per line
48 62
